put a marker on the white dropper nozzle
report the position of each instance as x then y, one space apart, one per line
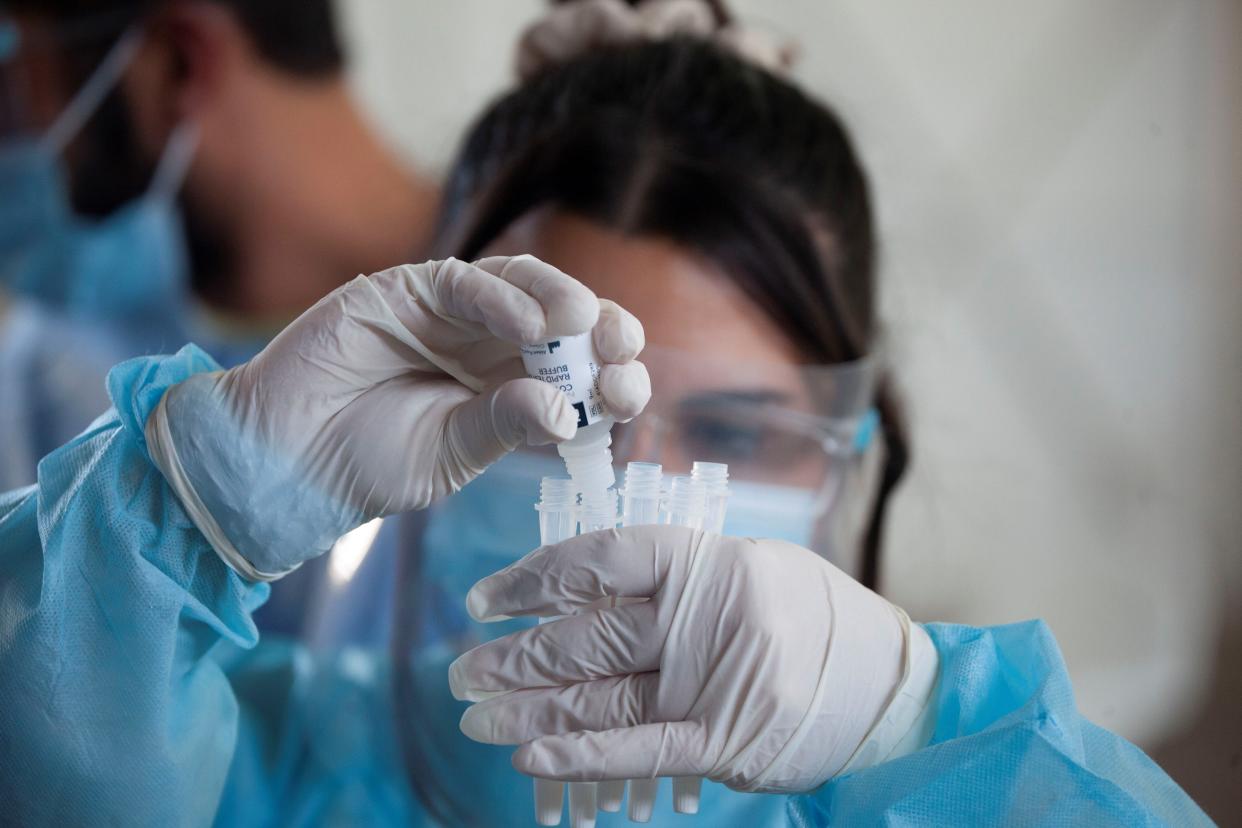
588 457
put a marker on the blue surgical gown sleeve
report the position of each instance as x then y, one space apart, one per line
316 744
112 710
1009 748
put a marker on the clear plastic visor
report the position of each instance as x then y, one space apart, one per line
775 423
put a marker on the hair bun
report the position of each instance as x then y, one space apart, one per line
573 28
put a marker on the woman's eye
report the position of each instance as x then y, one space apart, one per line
754 450
721 441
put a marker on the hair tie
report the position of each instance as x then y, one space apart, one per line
572 29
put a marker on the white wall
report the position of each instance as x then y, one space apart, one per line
425 68
1058 187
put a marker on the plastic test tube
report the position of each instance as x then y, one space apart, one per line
558 518
640 499
715 477
687 506
596 510
640 506
687 502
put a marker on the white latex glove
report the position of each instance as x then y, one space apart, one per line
755 663
394 390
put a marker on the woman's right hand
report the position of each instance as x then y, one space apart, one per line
392 391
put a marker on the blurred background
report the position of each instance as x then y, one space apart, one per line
1059 186
1059 189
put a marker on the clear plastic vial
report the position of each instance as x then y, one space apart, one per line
699 501
582 808
610 795
687 502
558 511
715 477
597 511
640 498
558 520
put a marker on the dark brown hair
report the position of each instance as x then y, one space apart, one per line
683 140
298 36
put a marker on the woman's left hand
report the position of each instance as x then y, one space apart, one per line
755 663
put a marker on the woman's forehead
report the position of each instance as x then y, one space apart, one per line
685 301
680 372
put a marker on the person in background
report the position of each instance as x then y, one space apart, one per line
174 170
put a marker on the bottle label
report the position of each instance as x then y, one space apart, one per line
569 363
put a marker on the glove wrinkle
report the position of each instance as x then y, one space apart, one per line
809 715
774 666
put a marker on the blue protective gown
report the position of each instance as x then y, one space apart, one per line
134 689
51 383
53 365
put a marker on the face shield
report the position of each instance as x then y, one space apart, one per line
797 441
794 437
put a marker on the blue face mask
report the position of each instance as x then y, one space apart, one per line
131 262
829 521
760 510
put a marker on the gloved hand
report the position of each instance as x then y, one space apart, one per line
392 391
755 663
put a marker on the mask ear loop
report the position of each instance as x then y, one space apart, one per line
86 102
174 163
